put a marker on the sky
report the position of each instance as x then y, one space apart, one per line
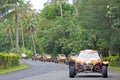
39 4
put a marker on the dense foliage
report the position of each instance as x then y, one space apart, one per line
92 24
53 11
8 60
113 60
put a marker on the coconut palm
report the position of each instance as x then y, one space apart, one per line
25 12
17 9
60 2
9 30
31 30
8 7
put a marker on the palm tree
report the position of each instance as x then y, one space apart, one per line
9 30
6 6
17 31
24 11
27 14
5 10
31 30
60 2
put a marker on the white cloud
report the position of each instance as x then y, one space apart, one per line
39 4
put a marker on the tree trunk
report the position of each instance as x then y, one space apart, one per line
11 37
61 11
95 39
33 44
55 1
119 56
17 32
107 52
23 44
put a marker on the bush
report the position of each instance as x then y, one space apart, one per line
113 60
25 51
8 60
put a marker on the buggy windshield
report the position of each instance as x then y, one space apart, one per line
48 55
62 55
88 56
73 54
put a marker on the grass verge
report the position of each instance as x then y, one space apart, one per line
115 69
13 69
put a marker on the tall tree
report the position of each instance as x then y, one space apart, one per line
25 12
18 10
16 22
114 15
91 15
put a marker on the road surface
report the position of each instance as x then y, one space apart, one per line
52 71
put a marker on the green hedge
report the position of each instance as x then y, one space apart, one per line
113 60
8 60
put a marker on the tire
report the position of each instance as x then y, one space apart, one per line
67 62
39 59
56 61
26 57
72 72
32 59
104 72
43 60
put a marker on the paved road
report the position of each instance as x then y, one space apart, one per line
51 71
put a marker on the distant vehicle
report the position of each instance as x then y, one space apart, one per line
61 58
71 57
24 56
46 57
88 61
37 57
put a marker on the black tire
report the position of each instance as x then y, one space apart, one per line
67 62
56 61
26 58
104 72
43 60
72 72
39 59
32 59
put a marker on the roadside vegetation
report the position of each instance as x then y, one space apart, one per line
114 69
114 64
60 27
8 60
